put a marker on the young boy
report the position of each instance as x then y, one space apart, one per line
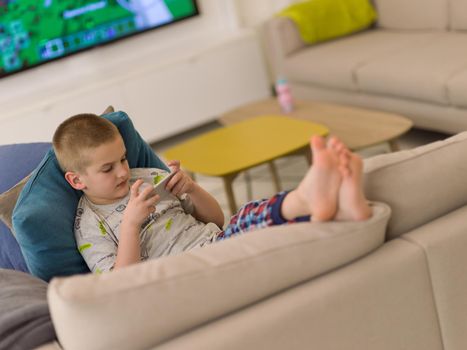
119 223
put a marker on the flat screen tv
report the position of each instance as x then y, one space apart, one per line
33 32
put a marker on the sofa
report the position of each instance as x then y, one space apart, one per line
396 281
412 61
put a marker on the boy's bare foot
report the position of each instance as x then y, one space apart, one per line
317 193
352 202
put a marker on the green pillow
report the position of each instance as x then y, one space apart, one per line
321 20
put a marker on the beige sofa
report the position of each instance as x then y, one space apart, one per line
413 62
378 284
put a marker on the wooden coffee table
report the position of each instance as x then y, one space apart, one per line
357 127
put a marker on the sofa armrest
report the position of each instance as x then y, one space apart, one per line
281 39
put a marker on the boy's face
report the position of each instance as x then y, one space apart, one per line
107 176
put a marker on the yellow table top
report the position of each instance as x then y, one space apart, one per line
237 147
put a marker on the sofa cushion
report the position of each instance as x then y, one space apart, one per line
458 14
335 64
16 162
444 241
413 14
24 314
11 256
167 296
381 302
44 214
328 19
446 119
8 201
421 72
421 184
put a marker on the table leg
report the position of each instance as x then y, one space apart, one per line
229 192
305 151
308 155
275 176
249 189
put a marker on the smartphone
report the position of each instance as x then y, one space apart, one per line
159 188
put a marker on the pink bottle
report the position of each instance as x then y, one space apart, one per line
284 95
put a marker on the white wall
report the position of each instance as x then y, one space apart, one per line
252 13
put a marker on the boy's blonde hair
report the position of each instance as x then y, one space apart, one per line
79 135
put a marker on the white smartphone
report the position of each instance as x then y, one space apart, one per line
159 188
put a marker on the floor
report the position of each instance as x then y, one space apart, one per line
290 169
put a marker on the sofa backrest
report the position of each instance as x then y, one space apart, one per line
420 184
413 14
281 38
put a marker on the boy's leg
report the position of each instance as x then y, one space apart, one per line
317 192
258 214
352 202
316 195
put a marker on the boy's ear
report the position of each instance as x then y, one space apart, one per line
74 180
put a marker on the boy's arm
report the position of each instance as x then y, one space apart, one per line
129 251
206 208
140 206
95 244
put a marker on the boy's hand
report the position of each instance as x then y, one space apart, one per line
180 183
141 203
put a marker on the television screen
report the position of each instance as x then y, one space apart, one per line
37 31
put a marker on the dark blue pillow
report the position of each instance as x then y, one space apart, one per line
44 214
16 161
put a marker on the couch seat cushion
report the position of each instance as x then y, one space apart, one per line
413 14
334 64
419 72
